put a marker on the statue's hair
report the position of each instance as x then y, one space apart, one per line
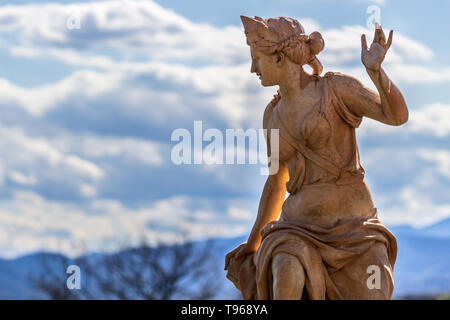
285 35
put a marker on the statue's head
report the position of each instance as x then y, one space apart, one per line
273 40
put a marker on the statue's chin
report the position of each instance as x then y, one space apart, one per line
267 84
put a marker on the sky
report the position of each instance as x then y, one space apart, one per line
91 92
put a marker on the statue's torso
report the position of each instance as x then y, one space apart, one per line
320 200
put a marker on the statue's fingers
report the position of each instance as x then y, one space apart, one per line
389 42
234 254
228 259
382 37
363 42
376 36
239 254
227 263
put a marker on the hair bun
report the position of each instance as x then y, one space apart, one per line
316 42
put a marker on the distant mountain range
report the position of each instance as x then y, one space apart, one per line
423 260
422 268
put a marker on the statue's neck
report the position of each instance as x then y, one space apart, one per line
294 81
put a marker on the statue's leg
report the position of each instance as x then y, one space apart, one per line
367 278
288 277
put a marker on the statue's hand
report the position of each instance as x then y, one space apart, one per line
374 56
240 251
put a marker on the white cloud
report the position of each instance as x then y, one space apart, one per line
430 120
414 208
433 118
71 164
31 222
440 157
37 100
22 151
88 190
20 178
98 147
240 214
410 186
419 74
227 92
126 26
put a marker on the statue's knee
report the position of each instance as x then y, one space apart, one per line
286 265
288 277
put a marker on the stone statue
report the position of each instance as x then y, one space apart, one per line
325 240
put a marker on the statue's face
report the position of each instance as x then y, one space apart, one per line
266 67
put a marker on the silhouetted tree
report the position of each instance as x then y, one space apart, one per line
183 271
51 277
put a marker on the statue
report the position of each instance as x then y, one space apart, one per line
325 240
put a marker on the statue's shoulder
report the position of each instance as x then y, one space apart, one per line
333 74
343 83
339 76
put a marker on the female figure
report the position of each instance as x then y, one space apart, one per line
328 242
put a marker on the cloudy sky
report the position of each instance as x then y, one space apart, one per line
90 93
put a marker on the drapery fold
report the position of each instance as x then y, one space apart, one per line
335 260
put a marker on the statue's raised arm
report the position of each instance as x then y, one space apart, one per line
388 106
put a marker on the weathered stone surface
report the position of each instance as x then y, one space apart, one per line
325 240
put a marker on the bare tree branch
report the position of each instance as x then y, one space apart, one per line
182 271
